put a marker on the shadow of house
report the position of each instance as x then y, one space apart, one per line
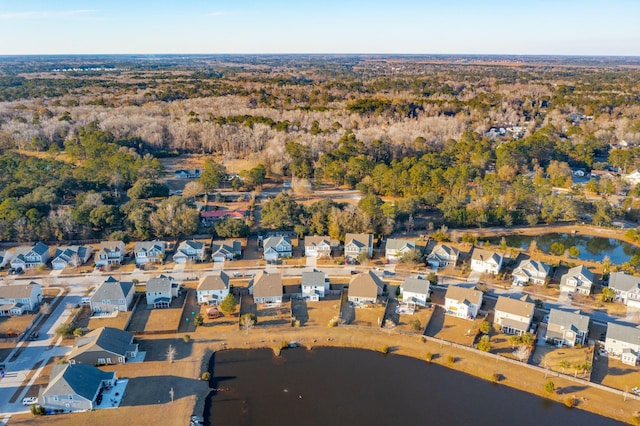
436 324
155 389
156 349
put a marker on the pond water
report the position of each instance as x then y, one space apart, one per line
591 248
328 386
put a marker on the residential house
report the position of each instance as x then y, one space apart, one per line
213 288
567 328
187 174
317 246
462 302
26 257
226 250
415 290
394 249
276 248
266 287
161 290
103 346
149 252
314 285
110 253
355 244
365 288
485 261
190 251
112 296
214 215
442 256
71 256
514 316
74 387
17 299
577 280
530 272
623 342
627 288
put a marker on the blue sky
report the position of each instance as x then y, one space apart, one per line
564 27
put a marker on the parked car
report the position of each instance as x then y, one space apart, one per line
15 271
34 336
30 400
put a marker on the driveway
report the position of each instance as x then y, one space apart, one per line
474 277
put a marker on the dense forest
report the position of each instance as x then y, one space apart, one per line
478 140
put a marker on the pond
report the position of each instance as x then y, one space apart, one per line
329 386
591 248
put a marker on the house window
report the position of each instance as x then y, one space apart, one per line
55 397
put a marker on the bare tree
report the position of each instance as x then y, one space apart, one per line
75 260
45 308
522 352
247 321
171 354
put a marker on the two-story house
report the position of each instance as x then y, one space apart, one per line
226 250
415 290
74 387
567 328
443 256
266 287
530 272
364 288
577 280
315 284
627 288
26 257
190 251
355 244
161 290
213 288
623 343
149 252
110 253
514 316
395 248
317 246
17 299
112 296
276 248
71 256
485 261
104 346
462 302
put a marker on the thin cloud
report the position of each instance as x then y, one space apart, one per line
80 14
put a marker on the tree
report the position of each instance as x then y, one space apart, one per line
171 354
432 278
417 326
608 294
522 353
77 332
230 227
254 177
174 217
198 320
282 212
212 174
193 189
148 188
549 386
485 327
574 251
247 321
104 217
557 249
228 304
484 344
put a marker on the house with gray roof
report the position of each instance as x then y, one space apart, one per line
109 253
442 256
149 252
577 280
213 288
190 251
514 316
102 346
567 328
276 247
530 272
266 287
70 256
623 343
226 250
74 387
486 261
364 288
17 299
355 244
415 290
161 290
462 301
26 257
315 284
395 248
112 296
317 246
627 288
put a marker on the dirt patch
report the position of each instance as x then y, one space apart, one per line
15 325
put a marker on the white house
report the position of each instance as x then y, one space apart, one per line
355 244
71 256
276 248
462 302
627 288
530 272
364 288
577 280
190 251
161 290
567 328
110 253
266 287
17 299
485 261
395 248
30 256
513 316
226 250
112 296
623 342
317 246
314 285
442 256
213 288
415 290
149 252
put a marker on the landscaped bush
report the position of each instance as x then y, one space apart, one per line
428 357
206 376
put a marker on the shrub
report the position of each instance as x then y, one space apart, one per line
451 359
384 349
284 344
549 387
333 322
570 402
495 377
484 344
37 410
417 326
206 376
428 357
186 338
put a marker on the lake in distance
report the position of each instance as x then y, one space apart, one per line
335 386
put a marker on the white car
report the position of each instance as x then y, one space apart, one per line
30 400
